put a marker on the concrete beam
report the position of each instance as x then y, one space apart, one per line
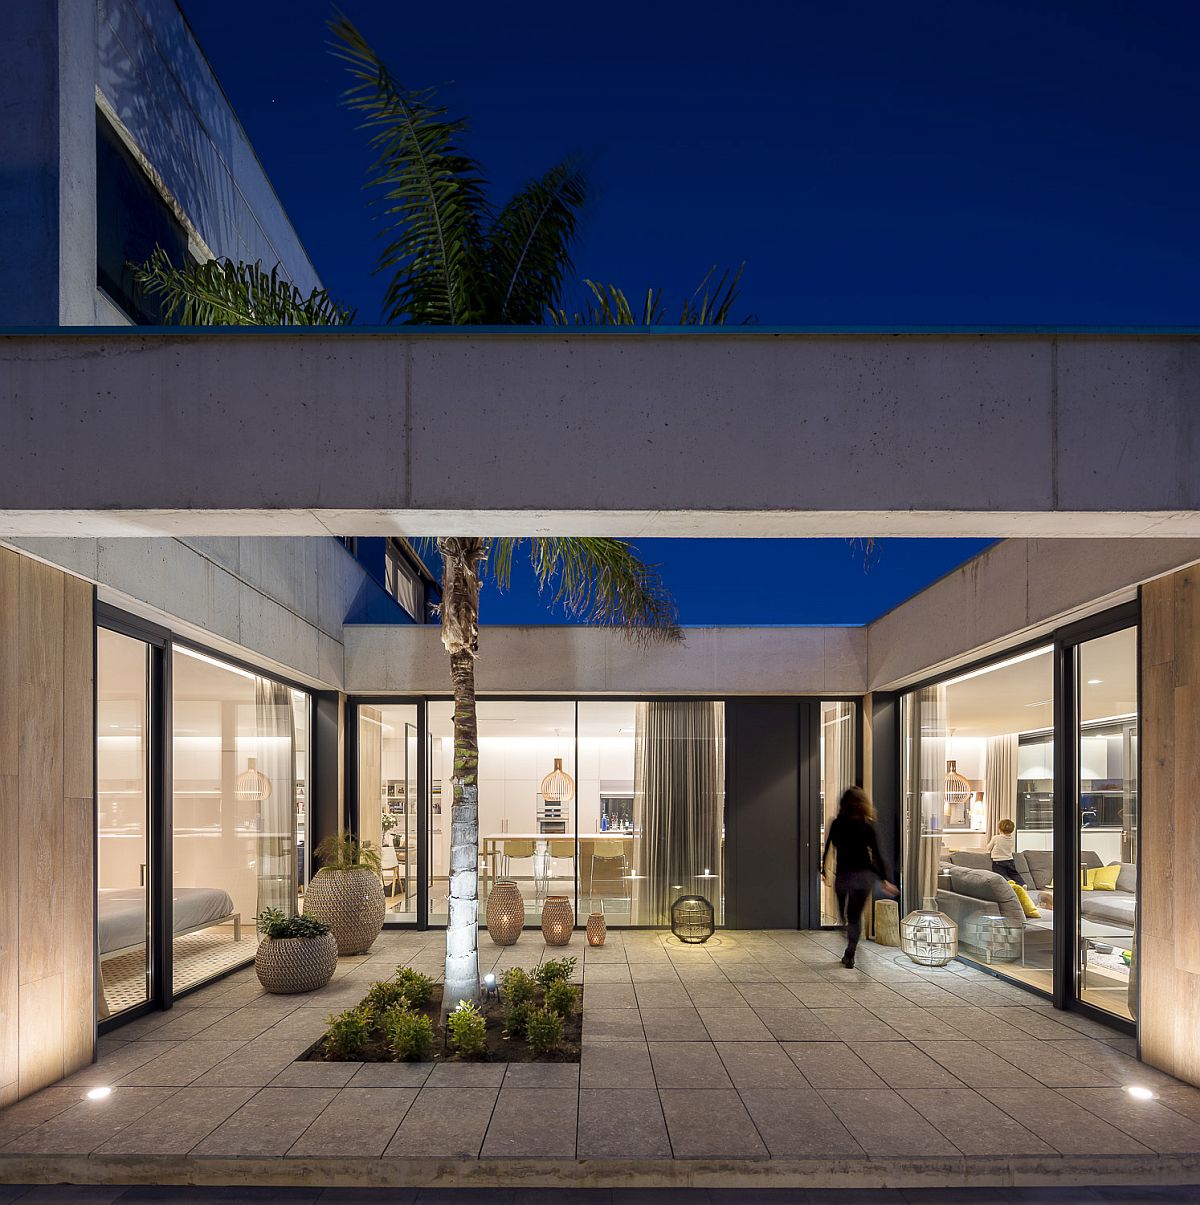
638 433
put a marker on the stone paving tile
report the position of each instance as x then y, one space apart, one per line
714 993
254 1065
739 1024
616 1065
83 1127
605 973
795 1024
1069 1128
357 1122
652 972
173 1025
662 995
976 1066
110 1068
819 995
1029 1022
884 1123
613 1024
673 1025
178 1123
622 1123
316 1075
610 995
759 1065
915 1023
267 1124
1121 1068
29 1113
767 995
445 1123
973 1123
1149 1121
831 1065
857 1025
391 1075
303 1023
709 1124
182 1064
542 1075
903 1065
532 1123
974 1023
1049 1066
1182 1098
688 1065
466 1075
797 1123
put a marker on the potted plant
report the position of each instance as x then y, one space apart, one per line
347 892
297 953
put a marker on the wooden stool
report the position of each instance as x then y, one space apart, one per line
887 922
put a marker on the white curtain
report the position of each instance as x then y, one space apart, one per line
925 735
1000 780
277 813
837 773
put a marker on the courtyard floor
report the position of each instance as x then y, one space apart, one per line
755 1060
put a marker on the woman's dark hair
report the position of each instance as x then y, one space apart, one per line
855 804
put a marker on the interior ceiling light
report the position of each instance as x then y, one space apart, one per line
558 786
958 789
987 669
1095 681
252 785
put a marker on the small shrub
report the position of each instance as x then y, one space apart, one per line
561 998
409 1035
272 922
348 1032
544 1030
517 986
384 996
468 1029
415 987
516 1017
555 970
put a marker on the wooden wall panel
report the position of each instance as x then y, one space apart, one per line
10 568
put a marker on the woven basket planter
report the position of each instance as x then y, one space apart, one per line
351 903
597 929
505 912
558 920
286 965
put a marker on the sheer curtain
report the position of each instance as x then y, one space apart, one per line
1000 780
276 742
678 805
925 735
837 773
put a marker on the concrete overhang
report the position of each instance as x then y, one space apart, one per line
636 433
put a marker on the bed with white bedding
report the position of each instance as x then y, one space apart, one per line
121 915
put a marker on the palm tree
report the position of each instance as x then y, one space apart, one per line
454 260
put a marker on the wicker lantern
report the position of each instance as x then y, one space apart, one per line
999 939
505 912
252 785
558 920
558 786
693 919
929 937
597 929
957 790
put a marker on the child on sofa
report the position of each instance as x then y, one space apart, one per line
1002 847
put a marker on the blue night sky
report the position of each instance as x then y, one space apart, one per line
1011 163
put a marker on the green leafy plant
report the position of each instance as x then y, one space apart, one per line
468 1029
275 923
340 851
555 970
516 1017
385 995
349 1032
416 987
517 986
561 998
544 1030
409 1035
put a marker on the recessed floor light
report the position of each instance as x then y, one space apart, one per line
1139 1093
98 1093
1095 681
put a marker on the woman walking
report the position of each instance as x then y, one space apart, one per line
859 866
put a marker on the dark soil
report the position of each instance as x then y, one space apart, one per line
500 1047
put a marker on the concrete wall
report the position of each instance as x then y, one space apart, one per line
707 433
578 660
1017 589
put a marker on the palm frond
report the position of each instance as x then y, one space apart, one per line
529 244
711 304
431 191
599 581
224 293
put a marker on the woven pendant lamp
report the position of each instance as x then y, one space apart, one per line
252 785
558 786
958 790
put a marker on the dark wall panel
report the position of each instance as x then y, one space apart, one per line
762 833
885 784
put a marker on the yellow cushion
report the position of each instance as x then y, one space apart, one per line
1027 904
1104 878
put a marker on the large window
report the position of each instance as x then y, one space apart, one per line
838 771
240 770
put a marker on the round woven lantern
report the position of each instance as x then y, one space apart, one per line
351 903
558 920
929 937
597 929
558 786
252 785
505 912
286 965
693 919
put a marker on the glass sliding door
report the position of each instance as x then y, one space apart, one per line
1106 820
124 875
838 756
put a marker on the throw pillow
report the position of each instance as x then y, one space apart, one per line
1027 905
1104 878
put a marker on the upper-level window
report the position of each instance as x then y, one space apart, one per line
132 218
402 583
